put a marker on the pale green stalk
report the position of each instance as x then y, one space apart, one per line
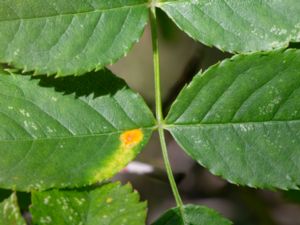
158 102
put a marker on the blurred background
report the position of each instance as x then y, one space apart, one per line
181 59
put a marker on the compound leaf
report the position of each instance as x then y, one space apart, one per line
67 37
10 212
69 131
237 26
241 119
191 214
110 204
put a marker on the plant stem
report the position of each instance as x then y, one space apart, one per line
169 169
158 102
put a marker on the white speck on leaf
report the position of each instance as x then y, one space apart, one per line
16 52
46 220
46 200
54 99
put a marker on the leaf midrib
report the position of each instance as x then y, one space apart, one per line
174 2
75 136
78 13
171 125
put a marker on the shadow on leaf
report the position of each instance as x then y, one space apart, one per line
97 83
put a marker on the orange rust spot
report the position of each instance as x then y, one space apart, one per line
131 138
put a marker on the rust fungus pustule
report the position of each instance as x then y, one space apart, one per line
131 138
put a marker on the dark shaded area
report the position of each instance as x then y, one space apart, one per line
294 45
4 194
98 83
292 195
24 200
167 28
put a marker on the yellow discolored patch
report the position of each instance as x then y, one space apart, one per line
131 138
122 155
109 200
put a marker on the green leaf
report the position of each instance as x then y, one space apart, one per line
241 119
10 212
192 215
68 132
109 204
67 37
237 26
